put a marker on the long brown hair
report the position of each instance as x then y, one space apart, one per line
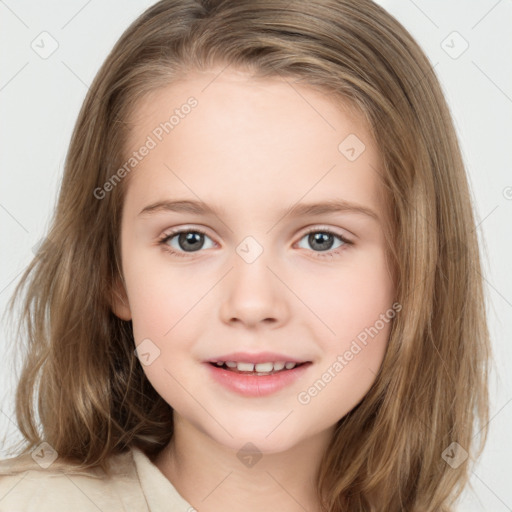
91 395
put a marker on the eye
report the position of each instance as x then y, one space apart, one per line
322 240
184 241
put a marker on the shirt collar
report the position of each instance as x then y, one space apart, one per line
159 492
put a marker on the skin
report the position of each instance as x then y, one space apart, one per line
252 147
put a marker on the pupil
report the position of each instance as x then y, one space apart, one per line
193 238
324 240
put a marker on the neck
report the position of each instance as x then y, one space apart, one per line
212 477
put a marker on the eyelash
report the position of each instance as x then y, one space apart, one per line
325 254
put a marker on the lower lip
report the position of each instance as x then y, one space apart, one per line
256 385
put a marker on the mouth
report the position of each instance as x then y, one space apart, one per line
257 379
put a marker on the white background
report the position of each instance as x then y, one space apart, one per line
40 99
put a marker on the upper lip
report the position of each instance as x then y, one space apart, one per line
260 357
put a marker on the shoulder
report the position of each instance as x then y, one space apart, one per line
28 485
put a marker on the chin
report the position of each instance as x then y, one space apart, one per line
266 440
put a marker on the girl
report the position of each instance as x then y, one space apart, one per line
324 345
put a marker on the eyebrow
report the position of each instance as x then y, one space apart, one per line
296 210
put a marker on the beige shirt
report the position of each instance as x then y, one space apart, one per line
135 484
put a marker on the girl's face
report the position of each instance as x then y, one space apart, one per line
231 162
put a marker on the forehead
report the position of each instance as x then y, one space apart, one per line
258 141
226 92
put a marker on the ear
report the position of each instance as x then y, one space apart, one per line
119 301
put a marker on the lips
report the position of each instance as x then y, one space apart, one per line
254 384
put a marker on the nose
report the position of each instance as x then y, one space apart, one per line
252 294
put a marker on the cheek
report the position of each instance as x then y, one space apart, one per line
162 307
343 381
355 308
351 360
160 295
350 300
165 304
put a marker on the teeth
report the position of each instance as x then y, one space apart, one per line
258 367
245 367
263 367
